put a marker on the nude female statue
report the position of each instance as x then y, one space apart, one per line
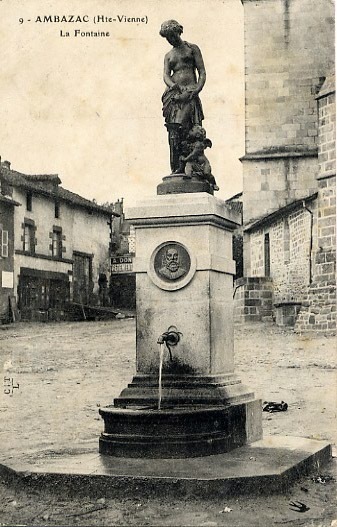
181 104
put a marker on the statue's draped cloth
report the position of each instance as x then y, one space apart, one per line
171 107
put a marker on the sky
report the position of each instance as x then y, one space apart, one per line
89 109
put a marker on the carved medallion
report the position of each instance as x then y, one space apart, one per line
171 266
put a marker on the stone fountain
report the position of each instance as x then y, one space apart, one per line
184 275
185 400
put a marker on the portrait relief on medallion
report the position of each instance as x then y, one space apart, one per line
172 262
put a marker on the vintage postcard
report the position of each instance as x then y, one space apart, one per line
168 249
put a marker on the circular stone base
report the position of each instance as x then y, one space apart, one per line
181 184
179 432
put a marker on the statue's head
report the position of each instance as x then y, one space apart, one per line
197 133
171 30
171 259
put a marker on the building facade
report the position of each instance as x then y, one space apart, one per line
318 310
61 245
289 165
7 307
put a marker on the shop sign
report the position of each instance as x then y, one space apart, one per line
121 264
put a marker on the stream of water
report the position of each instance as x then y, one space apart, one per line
161 355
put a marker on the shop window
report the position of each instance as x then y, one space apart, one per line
4 244
29 201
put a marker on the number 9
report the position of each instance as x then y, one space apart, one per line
21 20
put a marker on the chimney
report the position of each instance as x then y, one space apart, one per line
6 164
118 206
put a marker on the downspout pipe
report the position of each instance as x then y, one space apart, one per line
311 240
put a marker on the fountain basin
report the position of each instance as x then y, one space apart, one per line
179 432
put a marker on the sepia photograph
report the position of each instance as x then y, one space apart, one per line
168 263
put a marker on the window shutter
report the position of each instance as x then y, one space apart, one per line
4 244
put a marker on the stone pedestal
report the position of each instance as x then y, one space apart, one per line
184 272
180 183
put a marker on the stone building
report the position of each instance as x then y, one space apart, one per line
318 311
289 51
7 206
289 165
59 248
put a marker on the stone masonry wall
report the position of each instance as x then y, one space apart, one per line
318 311
289 48
257 253
289 254
270 184
327 128
298 265
325 246
253 299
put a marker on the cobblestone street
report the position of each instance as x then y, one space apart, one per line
66 371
